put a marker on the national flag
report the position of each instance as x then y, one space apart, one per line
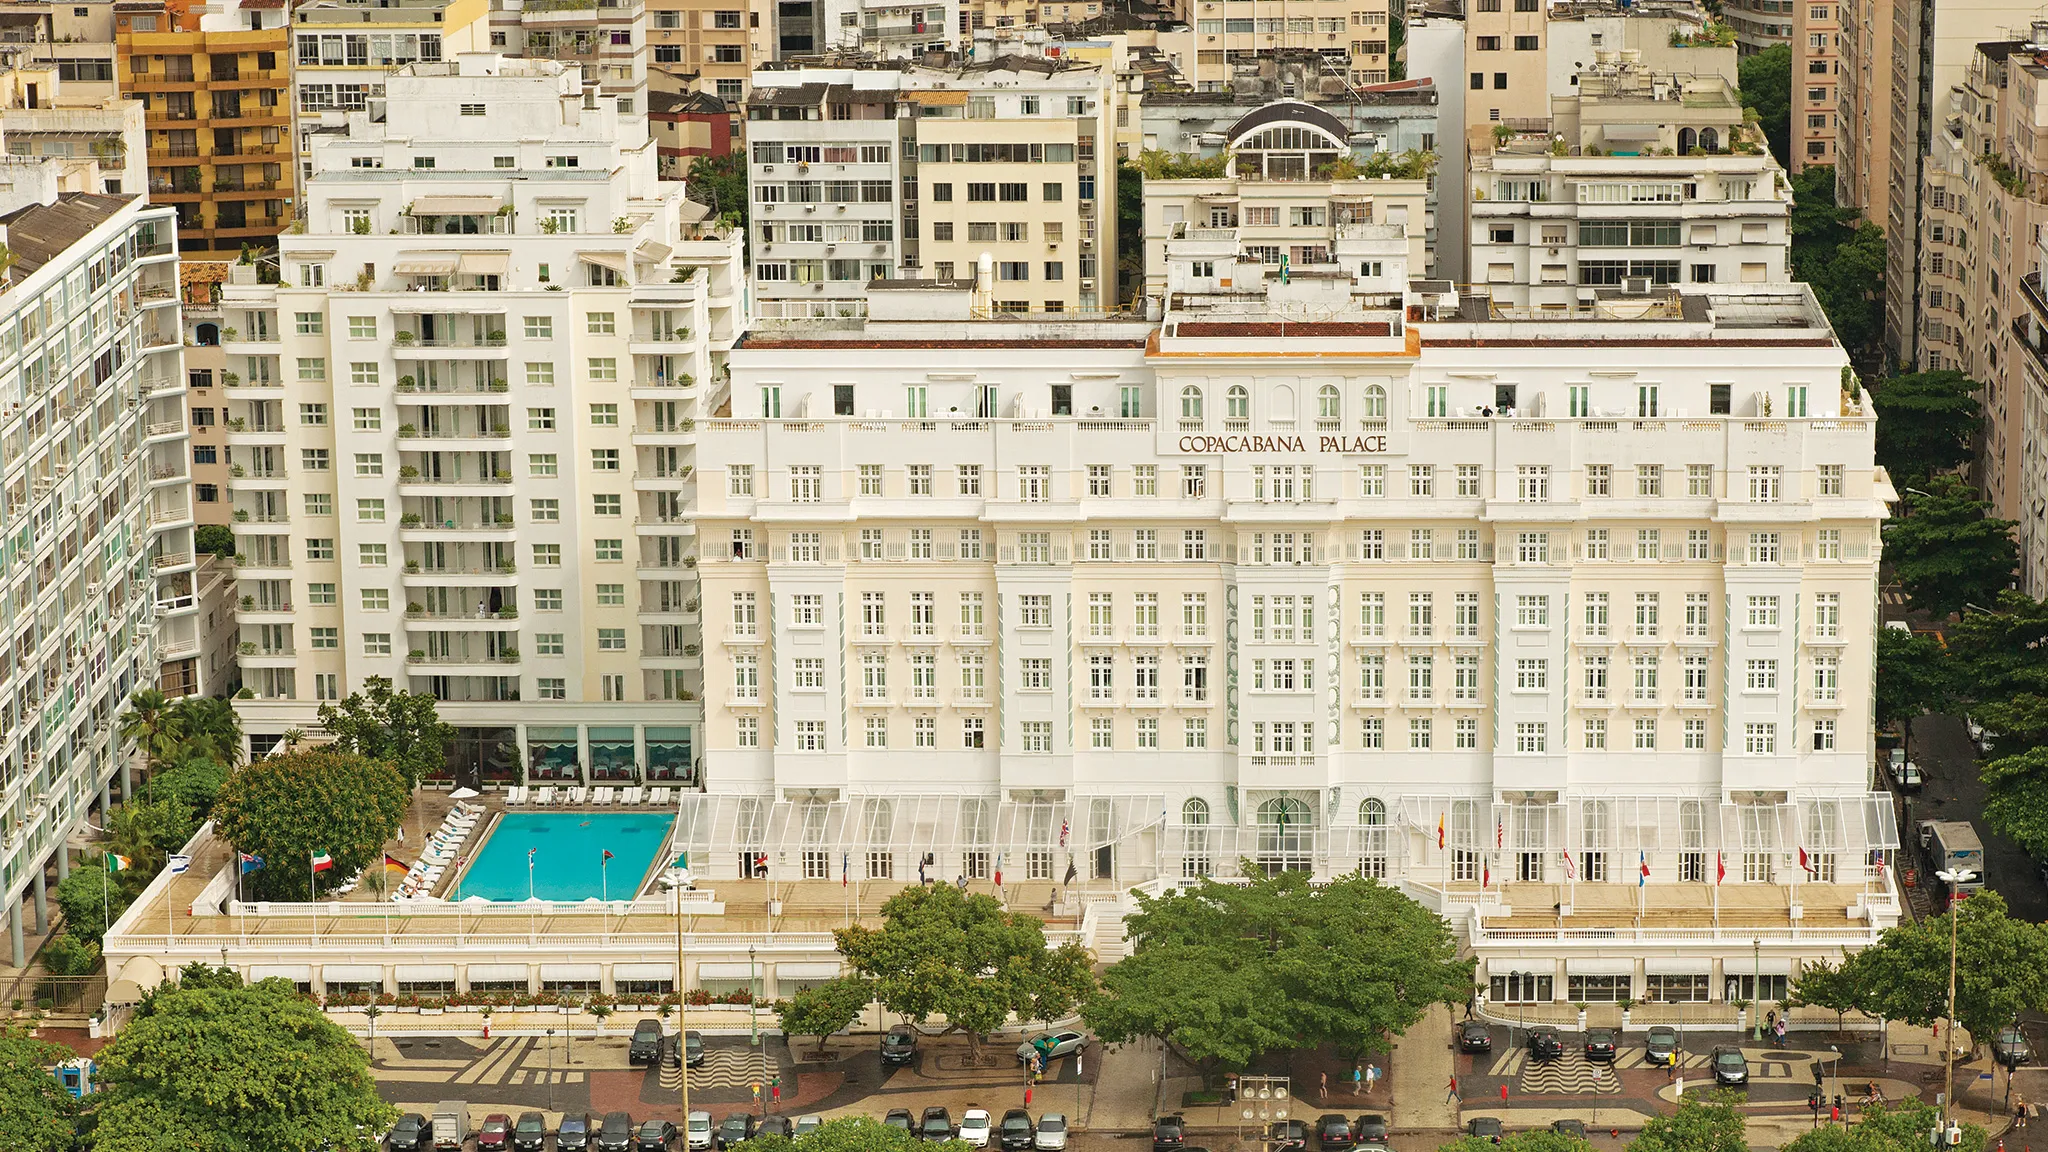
322 862
1720 867
1066 826
178 862
760 865
117 863
682 860
1805 864
1877 860
920 870
1642 869
1486 874
999 870
1440 830
607 858
1571 870
845 869
250 863
529 857
1500 834
394 864
1071 871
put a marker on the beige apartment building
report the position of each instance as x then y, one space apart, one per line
701 46
1863 85
1349 35
1817 55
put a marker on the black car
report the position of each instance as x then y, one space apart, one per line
1474 1036
776 1126
1370 1129
900 1118
412 1134
647 1043
1600 1045
736 1128
576 1133
1544 1043
1660 1046
899 1046
655 1136
530 1132
2010 1048
1016 1132
1169 1134
1572 1128
1289 1136
1485 1128
936 1125
616 1133
1334 1131
693 1048
1730 1066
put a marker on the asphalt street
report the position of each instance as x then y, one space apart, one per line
1941 746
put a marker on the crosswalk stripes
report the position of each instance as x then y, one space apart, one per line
1508 1064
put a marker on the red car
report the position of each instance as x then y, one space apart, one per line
496 1132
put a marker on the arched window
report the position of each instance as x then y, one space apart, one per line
1191 403
1685 141
1329 405
1710 140
1375 402
878 827
1372 839
207 335
1237 403
1373 814
1196 839
1287 835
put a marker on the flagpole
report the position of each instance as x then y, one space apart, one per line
313 895
604 888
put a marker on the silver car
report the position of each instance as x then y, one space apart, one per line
1052 1045
1052 1133
974 1127
697 1130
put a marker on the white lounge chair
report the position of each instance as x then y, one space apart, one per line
514 797
579 795
631 795
658 796
601 795
546 797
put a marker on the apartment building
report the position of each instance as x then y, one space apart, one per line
1395 117
606 39
1980 233
1347 38
94 142
75 40
1262 579
1761 24
214 83
2025 431
96 511
1863 86
702 46
1028 13
1818 54
1013 159
463 429
1641 176
343 49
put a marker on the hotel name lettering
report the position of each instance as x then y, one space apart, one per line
1266 443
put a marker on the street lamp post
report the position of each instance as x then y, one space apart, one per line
1756 989
1955 879
1521 994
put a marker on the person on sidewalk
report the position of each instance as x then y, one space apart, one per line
2019 1110
1323 1086
1779 1028
1451 1097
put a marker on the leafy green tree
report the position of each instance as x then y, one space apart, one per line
1901 1127
1825 985
39 1116
2001 969
150 725
1535 1140
941 950
1997 661
1948 551
1926 422
1842 257
401 728
1130 229
235 1070
87 900
218 539
209 727
852 1134
146 831
1914 676
192 783
1227 972
721 183
823 1009
1710 1125
1766 82
2016 798
285 808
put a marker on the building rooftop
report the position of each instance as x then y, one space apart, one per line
39 234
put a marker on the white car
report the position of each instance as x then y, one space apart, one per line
697 1130
1052 1133
974 1127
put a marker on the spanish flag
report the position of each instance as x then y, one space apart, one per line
1439 830
394 864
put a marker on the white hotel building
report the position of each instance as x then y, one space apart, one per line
1502 604
463 427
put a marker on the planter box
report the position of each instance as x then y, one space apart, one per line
432 1011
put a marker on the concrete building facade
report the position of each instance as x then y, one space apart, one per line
1818 56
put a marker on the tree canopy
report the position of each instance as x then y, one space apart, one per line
1995 665
1926 422
234 1070
1713 1124
1901 1127
285 808
2001 970
721 183
170 731
1913 676
944 951
39 1116
1534 1140
1766 82
823 1009
852 1134
1227 972
87 901
218 539
398 727
1842 257
1948 551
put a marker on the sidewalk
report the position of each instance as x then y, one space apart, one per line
1420 1077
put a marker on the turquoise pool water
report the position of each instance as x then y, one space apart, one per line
568 853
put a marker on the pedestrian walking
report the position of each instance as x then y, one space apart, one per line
1357 1077
1451 1097
775 1090
2019 1110
1323 1086
1780 1029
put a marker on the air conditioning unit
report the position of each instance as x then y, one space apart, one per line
1087 283
1087 242
1635 285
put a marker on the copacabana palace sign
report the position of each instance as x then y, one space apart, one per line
1252 444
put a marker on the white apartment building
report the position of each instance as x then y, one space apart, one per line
342 50
1264 580
1640 176
464 425
95 511
860 174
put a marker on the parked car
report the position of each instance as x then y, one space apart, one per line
975 1127
697 1130
1289 1136
412 1133
1052 1045
1052 1133
775 1126
1475 1036
693 1048
647 1044
900 1118
616 1133
805 1125
936 1125
1730 1065
1169 1133
495 1134
655 1136
899 1046
1485 1128
530 1133
1544 1043
1600 1045
2010 1048
1660 1045
1333 1131
1017 1131
736 1128
576 1133
1572 1128
1371 1129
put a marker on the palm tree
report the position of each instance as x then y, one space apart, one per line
209 727
152 724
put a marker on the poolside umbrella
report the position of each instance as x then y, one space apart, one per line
464 793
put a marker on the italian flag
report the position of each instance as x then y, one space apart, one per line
116 863
322 861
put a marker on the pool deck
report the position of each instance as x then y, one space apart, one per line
450 885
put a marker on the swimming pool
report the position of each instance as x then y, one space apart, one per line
568 855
